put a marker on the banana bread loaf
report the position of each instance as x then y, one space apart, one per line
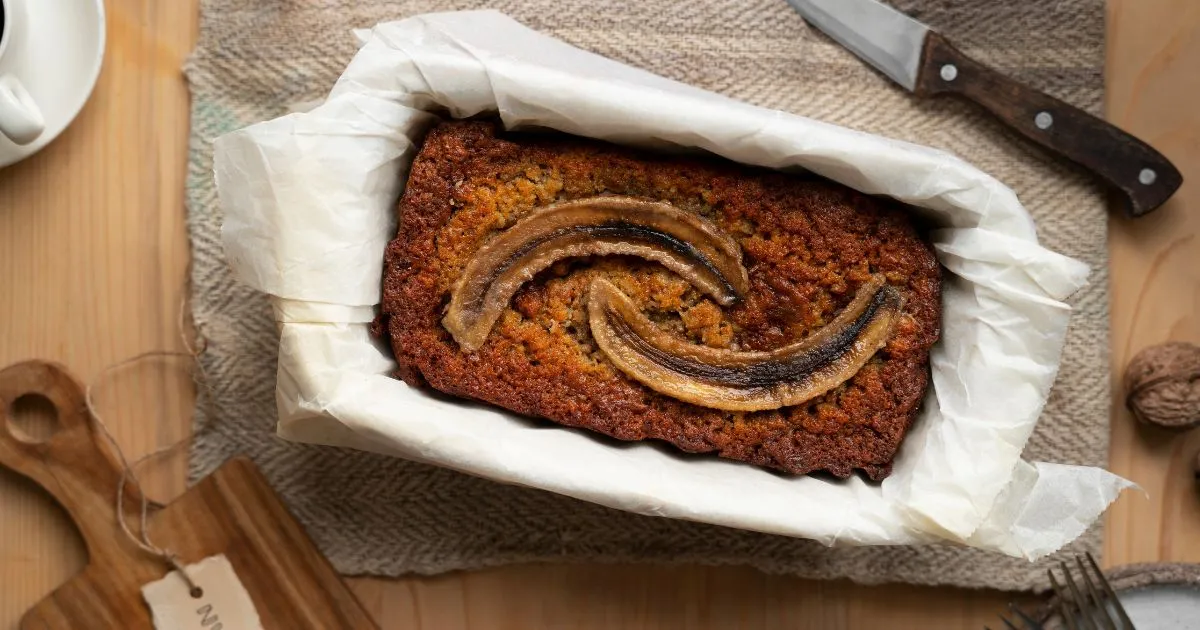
778 319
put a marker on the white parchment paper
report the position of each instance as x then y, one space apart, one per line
309 201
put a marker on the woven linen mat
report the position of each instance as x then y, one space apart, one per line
375 515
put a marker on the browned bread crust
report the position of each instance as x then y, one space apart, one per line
808 245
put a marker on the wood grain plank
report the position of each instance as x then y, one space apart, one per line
92 253
1154 49
652 597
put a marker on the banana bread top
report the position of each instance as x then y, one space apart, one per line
807 245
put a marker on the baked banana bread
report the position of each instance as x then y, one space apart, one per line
778 319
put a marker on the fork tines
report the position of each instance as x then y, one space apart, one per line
1089 607
1027 622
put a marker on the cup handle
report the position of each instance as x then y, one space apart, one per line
20 118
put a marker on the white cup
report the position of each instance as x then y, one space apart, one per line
20 119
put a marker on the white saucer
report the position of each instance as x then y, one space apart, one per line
57 55
1163 607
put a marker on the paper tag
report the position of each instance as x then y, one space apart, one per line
223 603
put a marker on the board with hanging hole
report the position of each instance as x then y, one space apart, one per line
233 511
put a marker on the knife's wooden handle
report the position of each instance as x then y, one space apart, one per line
1146 178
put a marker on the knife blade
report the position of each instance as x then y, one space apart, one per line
925 63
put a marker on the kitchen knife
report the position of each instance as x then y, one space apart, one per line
922 61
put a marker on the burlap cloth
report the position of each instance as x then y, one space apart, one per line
374 515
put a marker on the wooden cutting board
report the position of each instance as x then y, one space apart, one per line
233 511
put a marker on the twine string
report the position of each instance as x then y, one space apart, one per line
128 472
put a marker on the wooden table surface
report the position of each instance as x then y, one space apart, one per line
93 256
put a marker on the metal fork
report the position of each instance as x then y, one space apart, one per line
1027 622
1090 609
1093 609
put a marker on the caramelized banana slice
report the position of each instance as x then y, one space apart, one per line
742 381
682 242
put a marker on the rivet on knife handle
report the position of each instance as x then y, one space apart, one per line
1144 175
